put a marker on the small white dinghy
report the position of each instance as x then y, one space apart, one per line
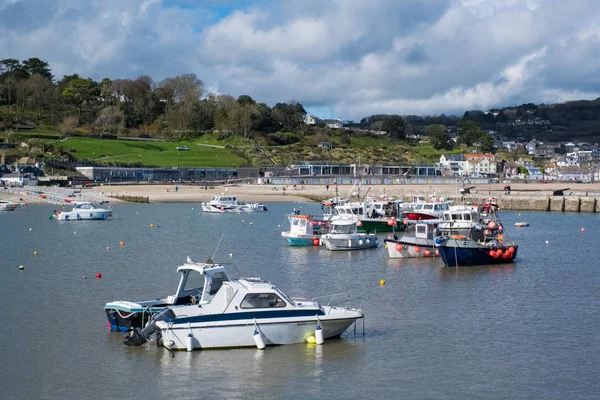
521 224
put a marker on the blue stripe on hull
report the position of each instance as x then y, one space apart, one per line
461 256
247 315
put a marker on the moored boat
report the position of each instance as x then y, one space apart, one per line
225 204
242 313
81 211
464 251
430 209
417 241
521 224
124 315
343 234
6 205
304 230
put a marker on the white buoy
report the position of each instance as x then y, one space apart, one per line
168 344
189 342
258 339
319 335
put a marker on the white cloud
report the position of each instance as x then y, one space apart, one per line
356 57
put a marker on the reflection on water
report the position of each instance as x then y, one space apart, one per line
525 330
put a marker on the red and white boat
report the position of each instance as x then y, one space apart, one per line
429 209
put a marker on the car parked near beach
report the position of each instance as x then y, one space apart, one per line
183 148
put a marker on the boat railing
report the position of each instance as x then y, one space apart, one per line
340 300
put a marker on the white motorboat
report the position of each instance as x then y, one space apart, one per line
7 205
242 313
83 210
343 234
223 204
521 224
417 241
125 315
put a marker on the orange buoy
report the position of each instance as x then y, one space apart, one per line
499 251
122 243
417 249
405 222
316 242
390 222
492 253
437 252
359 224
511 249
399 247
427 253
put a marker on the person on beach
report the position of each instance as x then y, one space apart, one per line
176 188
327 187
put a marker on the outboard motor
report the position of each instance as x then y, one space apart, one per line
138 336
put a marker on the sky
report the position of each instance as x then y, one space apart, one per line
339 58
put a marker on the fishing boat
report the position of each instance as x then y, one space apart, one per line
417 241
225 204
304 230
242 313
125 315
374 216
429 209
343 234
521 224
81 211
461 250
6 205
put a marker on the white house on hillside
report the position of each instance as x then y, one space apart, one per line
311 119
333 123
482 163
455 162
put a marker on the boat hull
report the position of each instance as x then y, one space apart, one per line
417 216
84 216
8 206
303 241
409 249
349 242
240 333
219 209
458 252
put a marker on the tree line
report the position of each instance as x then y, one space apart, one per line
178 107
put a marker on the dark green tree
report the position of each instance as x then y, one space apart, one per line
35 66
394 126
438 137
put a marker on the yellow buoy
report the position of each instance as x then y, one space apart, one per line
62 204
311 340
519 214
151 225
21 267
35 253
382 282
385 246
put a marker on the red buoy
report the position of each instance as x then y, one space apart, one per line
98 275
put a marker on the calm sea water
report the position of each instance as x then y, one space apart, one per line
524 331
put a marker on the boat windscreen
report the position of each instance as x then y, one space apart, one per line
194 281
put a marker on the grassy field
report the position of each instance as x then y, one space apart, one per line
162 154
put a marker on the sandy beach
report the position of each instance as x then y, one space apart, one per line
276 193
304 193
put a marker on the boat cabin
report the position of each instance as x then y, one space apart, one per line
350 210
199 282
305 225
343 227
425 230
466 214
83 205
224 200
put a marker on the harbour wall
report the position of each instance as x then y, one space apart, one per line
537 203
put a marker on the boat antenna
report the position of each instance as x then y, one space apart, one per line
218 244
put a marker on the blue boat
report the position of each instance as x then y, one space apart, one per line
304 230
464 251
